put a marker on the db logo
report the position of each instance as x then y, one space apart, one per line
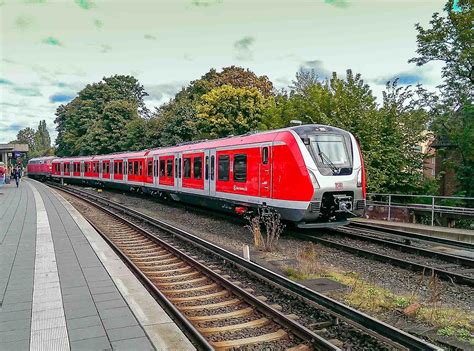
339 186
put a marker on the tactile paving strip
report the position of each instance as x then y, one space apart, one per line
48 326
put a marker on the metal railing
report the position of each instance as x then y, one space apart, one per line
462 207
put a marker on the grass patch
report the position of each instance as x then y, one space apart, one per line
370 298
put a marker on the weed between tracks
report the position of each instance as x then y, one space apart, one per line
373 299
270 221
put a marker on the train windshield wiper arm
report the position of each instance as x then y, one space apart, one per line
326 160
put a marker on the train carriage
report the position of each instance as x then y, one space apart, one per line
312 175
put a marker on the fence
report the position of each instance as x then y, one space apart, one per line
449 207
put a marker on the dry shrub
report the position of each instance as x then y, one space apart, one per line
256 230
307 259
270 221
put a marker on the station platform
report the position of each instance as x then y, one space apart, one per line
63 288
462 235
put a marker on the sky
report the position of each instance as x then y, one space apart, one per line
50 49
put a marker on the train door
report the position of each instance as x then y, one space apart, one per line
178 171
148 172
206 165
265 171
212 172
125 170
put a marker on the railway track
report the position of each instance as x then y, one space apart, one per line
454 268
222 315
410 238
214 311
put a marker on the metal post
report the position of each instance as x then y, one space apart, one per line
432 210
246 252
389 206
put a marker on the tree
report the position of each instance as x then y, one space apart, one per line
27 136
227 110
305 79
42 138
387 135
96 120
449 39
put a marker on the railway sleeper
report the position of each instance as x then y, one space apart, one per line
198 288
228 315
210 306
227 344
257 323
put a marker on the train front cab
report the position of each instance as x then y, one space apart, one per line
335 165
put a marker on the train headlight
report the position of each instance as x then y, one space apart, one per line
359 178
314 180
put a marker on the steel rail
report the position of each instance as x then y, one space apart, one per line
464 261
188 329
413 235
318 342
403 263
349 314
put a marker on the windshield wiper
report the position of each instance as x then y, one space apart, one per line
324 157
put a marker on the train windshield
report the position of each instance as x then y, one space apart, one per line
330 153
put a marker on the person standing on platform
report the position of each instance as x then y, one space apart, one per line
2 174
17 175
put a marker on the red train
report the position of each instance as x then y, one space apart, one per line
312 175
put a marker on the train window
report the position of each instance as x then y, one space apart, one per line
130 168
136 170
223 167
140 167
149 168
120 167
240 168
155 168
86 167
197 167
212 167
206 172
176 167
162 168
169 168
187 167
265 155
179 168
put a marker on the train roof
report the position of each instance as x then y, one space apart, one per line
45 158
248 138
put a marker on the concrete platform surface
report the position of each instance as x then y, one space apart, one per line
63 288
463 235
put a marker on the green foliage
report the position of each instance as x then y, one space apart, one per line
388 135
26 136
449 39
179 119
42 138
231 111
39 141
96 120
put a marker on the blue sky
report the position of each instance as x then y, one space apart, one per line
52 49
